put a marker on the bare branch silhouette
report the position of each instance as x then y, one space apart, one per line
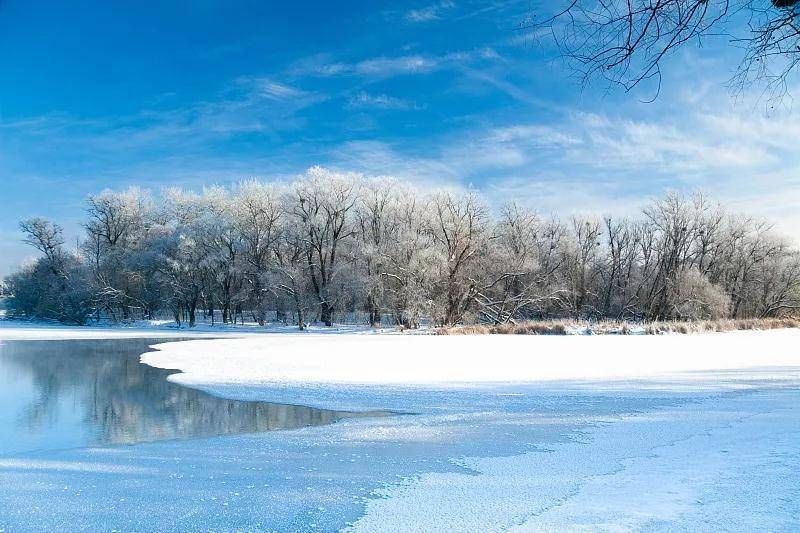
626 41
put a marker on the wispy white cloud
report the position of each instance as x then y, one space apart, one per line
382 158
565 195
277 91
363 99
249 104
385 67
457 167
500 83
388 66
324 66
540 134
692 147
429 13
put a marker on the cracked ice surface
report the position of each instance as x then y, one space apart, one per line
730 463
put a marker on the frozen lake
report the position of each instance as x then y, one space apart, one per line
90 439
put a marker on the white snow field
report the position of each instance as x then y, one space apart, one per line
533 433
465 359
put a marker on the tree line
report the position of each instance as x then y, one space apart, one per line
332 246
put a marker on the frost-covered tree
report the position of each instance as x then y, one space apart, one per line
117 225
258 217
409 261
55 285
221 242
182 267
695 297
322 205
459 226
377 231
520 268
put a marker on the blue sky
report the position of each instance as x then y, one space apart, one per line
93 95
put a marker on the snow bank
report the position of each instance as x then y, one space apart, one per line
441 360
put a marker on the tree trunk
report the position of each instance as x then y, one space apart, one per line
191 310
326 314
374 312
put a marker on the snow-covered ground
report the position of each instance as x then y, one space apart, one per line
647 433
401 360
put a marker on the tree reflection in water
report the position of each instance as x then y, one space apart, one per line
122 401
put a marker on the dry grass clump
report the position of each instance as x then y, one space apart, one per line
729 324
537 327
530 327
618 327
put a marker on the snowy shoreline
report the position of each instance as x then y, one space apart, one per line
23 330
350 355
362 356
51 333
446 360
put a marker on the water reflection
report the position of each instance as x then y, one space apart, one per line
59 394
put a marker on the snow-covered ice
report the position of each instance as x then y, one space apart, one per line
719 465
554 460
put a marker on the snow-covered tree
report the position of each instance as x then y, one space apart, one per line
322 204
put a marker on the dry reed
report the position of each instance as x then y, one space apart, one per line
620 327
